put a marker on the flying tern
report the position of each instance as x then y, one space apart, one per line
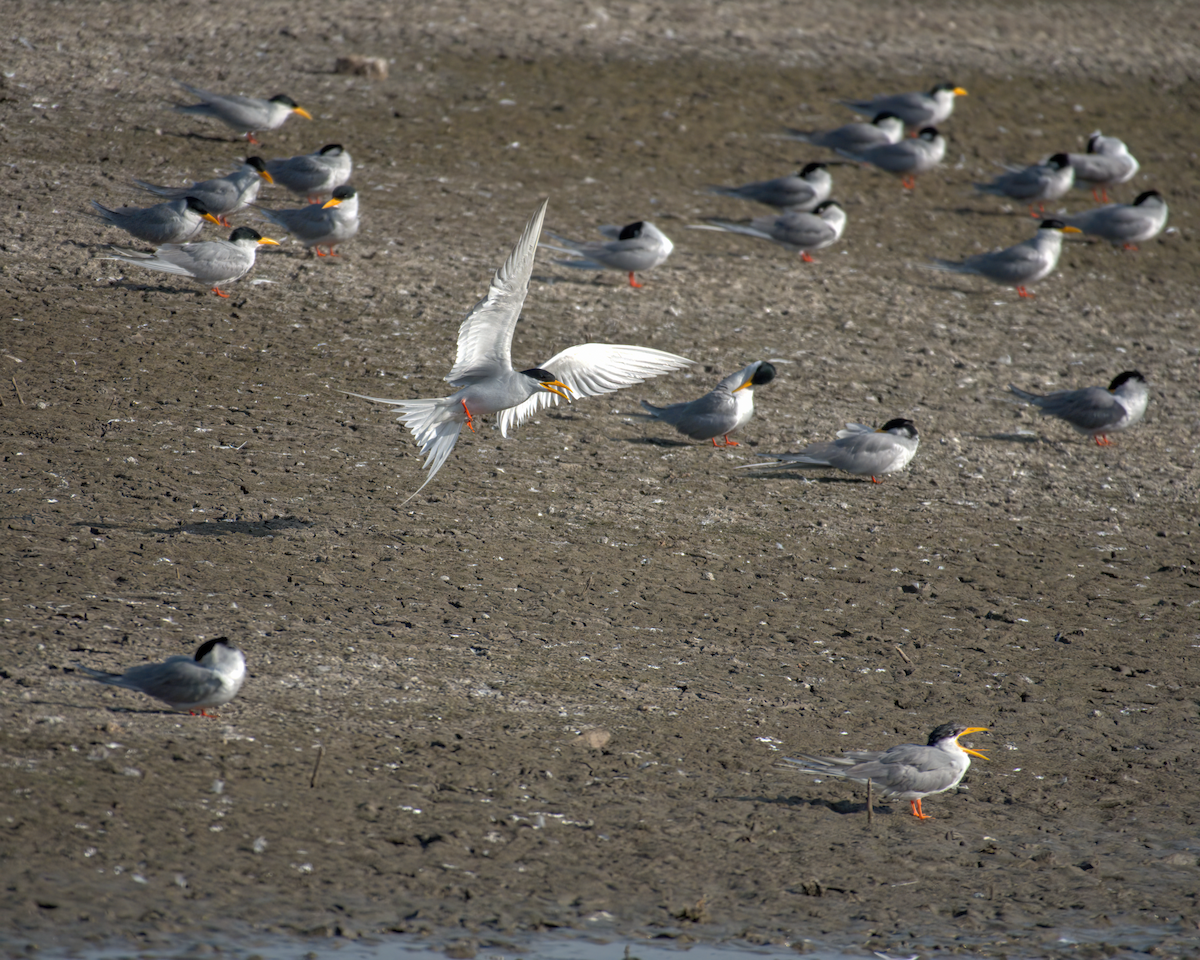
907 158
860 450
634 248
221 196
854 137
720 412
915 109
908 771
1026 262
315 174
798 232
1096 411
1125 223
321 224
801 191
207 261
1107 163
1038 183
246 115
484 373
176 221
210 678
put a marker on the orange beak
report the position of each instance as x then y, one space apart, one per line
974 753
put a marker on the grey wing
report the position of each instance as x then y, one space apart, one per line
178 682
1114 222
892 157
302 174
803 231
1088 409
1016 264
210 261
485 336
713 414
591 369
305 223
1023 184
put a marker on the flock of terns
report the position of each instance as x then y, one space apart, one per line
487 383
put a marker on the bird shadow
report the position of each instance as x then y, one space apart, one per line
1025 438
843 808
573 281
192 135
156 288
211 528
785 472
662 442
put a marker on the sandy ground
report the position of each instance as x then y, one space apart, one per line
552 690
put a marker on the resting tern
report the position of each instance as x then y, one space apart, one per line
906 158
915 109
798 232
222 195
484 373
1026 262
313 175
908 770
176 221
1037 183
1107 163
246 115
208 261
1095 411
1127 224
211 678
801 191
855 137
635 247
729 406
860 450
321 224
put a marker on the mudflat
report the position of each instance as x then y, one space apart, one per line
553 690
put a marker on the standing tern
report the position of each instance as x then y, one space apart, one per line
908 770
1125 223
211 678
854 137
915 109
208 261
635 247
246 115
801 191
221 196
1037 183
315 174
860 450
484 373
1026 262
176 221
729 406
798 232
907 158
1095 411
321 224
1107 163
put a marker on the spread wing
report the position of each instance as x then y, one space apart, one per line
591 369
485 337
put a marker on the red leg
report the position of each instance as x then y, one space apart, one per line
873 480
908 182
1022 292
317 247
1129 246
805 257
1103 441
251 139
632 282
470 419
220 293
918 812
730 443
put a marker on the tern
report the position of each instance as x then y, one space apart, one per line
1107 163
798 232
176 221
907 158
221 196
321 224
1125 223
246 115
915 109
860 450
908 771
208 261
484 373
1026 262
210 678
720 412
801 191
635 247
1096 411
313 175
1037 183
854 137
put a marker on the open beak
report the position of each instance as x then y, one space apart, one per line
211 219
974 753
1071 230
551 384
263 240
308 116
744 385
960 92
332 203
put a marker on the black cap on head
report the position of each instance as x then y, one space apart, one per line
331 148
207 646
764 374
1143 197
945 732
904 426
245 233
257 163
631 231
824 205
886 115
285 99
928 133
196 205
811 167
344 192
1122 378
1059 161
540 375
1051 225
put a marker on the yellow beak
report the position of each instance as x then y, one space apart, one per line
332 203
308 116
960 92
1071 230
974 753
211 219
263 240
266 176
744 385
551 384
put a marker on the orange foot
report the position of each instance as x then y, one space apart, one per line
203 713
1022 292
908 182
727 443
805 257
1129 246
1103 441
317 247
224 221
632 282
220 293
1102 196
470 419
918 812
250 138
873 480
1041 211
